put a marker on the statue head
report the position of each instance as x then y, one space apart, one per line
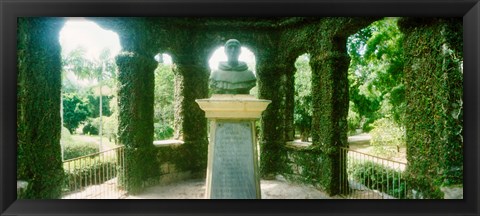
232 50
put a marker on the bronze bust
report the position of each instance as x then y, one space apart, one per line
232 76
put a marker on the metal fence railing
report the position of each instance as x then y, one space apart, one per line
96 176
365 176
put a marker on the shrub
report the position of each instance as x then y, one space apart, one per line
162 131
66 136
78 149
90 128
75 110
353 120
387 137
110 127
89 171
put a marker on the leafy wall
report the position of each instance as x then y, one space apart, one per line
434 94
38 107
191 83
135 130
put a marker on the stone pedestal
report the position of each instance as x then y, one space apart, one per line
232 170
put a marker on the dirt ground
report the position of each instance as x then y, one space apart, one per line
195 189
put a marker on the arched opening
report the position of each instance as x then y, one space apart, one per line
163 118
377 92
89 77
303 98
89 106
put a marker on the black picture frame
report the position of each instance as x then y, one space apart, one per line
10 10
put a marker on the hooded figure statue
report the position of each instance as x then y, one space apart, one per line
232 76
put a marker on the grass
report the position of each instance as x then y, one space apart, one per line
89 161
86 162
78 139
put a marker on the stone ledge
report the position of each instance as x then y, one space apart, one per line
228 106
21 188
453 192
298 145
166 143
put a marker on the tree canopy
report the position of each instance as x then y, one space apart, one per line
81 103
164 111
303 97
376 73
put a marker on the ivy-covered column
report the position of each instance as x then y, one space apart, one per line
177 105
135 98
289 88
191 82
39 159
270 79
329 62
434 95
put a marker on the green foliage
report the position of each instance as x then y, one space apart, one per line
303 96
376 72
163 105
136 82
94 105
175 155
91 127
74 149
38 107
84 109
353 119
387 137
162 131
378 177
308 164
75 111
66 136
110 127
434 91
89 171
76 61
103 68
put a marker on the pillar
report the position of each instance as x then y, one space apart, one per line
191 82
39 84
270 73
289 88
329 62
232 171
136 80
433 50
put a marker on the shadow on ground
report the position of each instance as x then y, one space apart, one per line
195 189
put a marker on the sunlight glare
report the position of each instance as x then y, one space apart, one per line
246 56
81 32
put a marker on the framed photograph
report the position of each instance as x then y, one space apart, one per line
239 107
